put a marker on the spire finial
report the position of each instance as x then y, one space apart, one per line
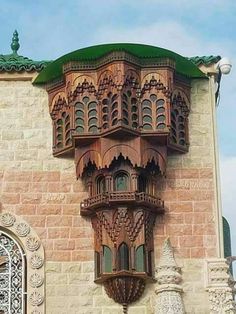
15 42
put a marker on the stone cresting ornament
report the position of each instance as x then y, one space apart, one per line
220 287
34 254
169 299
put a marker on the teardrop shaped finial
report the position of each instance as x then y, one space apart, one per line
15 42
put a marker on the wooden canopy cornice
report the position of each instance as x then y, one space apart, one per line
103 151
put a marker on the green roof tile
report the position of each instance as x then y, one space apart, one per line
16 63
54 70
205 60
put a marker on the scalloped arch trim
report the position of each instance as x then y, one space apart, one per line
34 251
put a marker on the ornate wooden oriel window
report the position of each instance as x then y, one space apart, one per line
12 276
120 116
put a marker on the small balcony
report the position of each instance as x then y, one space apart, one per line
128 198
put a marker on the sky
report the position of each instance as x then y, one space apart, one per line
51 28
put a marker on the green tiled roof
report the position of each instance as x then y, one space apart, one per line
54 70
16 63
205 60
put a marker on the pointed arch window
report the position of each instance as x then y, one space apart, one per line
142 184
101 185
107 259
86 115
12 276
121 182
140 259
123 257
62 128
153 113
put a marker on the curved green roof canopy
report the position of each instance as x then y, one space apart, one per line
54 70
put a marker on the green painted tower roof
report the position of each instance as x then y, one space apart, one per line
16 63
54 70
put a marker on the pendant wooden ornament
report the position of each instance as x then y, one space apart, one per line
120 117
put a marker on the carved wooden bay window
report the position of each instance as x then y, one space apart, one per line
123 206
120 116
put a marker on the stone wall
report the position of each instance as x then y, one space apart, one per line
44 191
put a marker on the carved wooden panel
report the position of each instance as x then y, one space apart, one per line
179 120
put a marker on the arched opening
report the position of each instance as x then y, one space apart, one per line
123 257
142 184
140 259
101 185
12 275
107 259
121 182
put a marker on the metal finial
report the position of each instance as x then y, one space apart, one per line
15 42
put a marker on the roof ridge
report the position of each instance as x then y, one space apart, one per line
205 60
14 62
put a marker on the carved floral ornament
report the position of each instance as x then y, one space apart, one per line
220 286
32 247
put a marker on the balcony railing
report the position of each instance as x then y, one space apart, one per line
108 198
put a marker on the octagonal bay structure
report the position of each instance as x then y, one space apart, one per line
117 184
